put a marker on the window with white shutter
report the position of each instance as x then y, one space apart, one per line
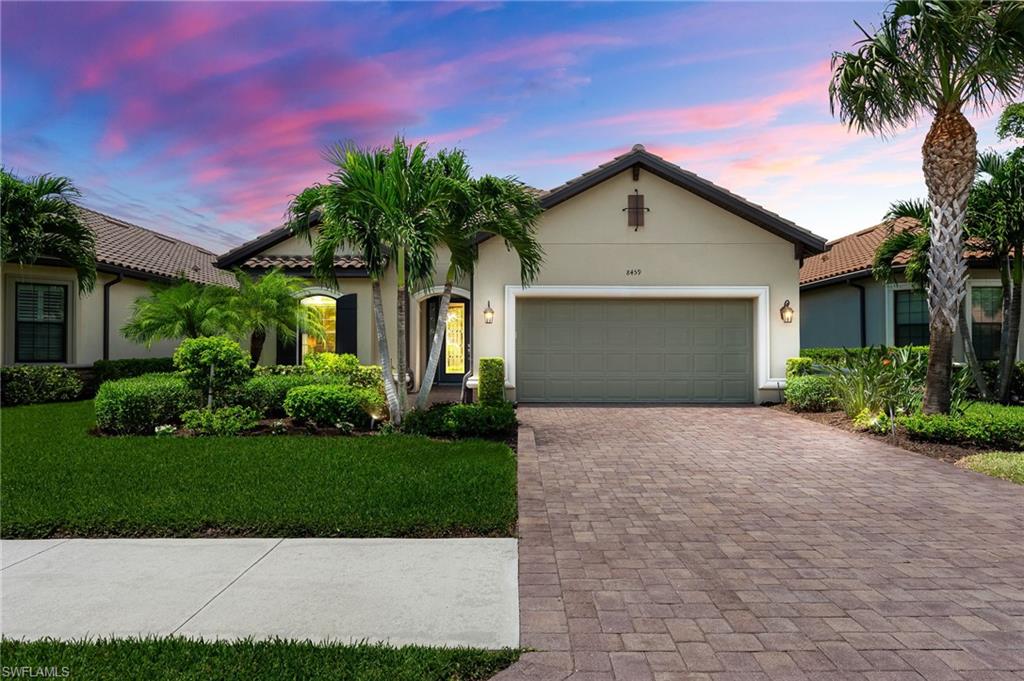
40 325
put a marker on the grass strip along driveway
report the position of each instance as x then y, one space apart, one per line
183 659
59 480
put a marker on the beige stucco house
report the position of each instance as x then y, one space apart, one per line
657 286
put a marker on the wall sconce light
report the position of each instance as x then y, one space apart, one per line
787 313
488 314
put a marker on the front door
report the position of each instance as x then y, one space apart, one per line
454 362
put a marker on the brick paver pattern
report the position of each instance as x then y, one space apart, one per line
723 544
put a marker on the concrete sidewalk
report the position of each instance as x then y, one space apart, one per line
424 591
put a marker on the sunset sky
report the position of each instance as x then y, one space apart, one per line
202 119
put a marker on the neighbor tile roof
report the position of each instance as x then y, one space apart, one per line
126 246
291 262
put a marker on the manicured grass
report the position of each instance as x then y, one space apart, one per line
1005 465
59 480
183 659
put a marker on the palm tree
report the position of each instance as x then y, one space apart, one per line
386 204
933 57
181 310
271 302
915 242
489 205
995 218
39 219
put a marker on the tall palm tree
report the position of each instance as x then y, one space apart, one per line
386 204
39 219
934 57
181 310
916 244
502 207
271 302
995 218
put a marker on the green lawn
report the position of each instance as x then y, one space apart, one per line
1005 465
58 480
182 659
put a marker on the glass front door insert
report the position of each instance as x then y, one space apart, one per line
327 309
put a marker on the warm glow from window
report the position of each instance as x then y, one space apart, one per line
327 308
455 339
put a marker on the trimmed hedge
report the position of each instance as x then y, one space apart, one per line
113 369
331 404
346 366
266 393
138 405
810 393
835 356
37 383
491 388
798 366
982 424
214 366
457 421
223 421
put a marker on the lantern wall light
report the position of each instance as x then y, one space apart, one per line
488 314
787 313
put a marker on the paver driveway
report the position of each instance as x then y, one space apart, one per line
718 543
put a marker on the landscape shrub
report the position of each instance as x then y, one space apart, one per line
991 371
982 424
266 393
837 356
879 379
225 421
798 366
458 421
347 366
138 405
279 369
213 365
873 421
330 404
32 384
810 393
491 388
112 369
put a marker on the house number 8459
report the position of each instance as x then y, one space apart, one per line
634 272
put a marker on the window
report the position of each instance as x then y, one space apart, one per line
41 322
911 318
327 308
986 320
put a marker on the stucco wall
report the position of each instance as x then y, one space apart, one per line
686 241
85 315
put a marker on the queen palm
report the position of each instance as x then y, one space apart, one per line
916 244
271 302
502 207
385 204
39 219
933 58
181 310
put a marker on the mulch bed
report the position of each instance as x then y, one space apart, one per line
936 450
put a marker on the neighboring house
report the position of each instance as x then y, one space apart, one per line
46 321
844 306
657 286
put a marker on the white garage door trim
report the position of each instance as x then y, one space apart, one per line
759 294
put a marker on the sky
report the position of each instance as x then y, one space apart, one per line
202 119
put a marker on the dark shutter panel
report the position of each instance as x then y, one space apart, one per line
286 352
635 210
347 336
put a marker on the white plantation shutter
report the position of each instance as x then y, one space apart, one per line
40 322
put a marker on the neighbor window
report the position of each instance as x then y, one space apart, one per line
327 308
986 320
41 322
911 318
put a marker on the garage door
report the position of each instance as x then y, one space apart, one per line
634 350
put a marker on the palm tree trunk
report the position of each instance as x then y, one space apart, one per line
256 341
403 330
971 355
385 355
1013 287
950 158
435 346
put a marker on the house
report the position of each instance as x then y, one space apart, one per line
657 286
46 321
843 305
